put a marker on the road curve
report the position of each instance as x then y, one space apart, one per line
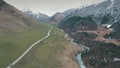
31 46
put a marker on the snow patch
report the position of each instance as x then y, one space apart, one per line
111 29
108 26
116 59
112 2
37 16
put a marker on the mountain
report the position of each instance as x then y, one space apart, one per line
96 27
68 12
98 11
39 16
104 13
43 17
57 17
76 23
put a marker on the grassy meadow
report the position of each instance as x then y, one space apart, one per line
14 42
46 53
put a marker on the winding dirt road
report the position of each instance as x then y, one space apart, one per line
31 46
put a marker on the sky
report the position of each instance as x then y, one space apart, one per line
50 7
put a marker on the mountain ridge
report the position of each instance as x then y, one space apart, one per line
104 40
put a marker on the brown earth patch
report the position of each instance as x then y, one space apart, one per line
68 59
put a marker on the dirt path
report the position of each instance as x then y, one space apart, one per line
31 46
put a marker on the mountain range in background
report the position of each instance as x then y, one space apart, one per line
39 16
108 10
56 18
106 13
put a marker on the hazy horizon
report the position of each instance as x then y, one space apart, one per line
50 7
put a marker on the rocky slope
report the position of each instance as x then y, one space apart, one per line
76 23
100 23
68 12
107 10
103 53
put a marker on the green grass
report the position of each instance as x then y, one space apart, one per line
14 42
46 53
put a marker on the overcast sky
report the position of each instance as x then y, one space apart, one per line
50 7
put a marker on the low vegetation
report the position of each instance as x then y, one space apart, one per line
76 23
46 54
14 42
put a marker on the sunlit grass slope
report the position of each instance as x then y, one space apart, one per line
14 43
47 53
